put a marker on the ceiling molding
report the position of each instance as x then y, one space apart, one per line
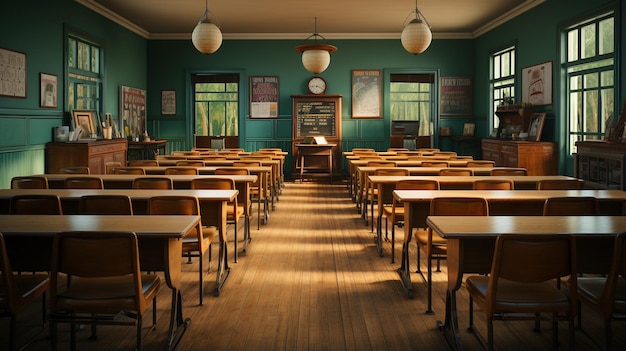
105 12
526 6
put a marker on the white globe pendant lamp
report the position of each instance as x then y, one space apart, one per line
315 56
416 35
206 37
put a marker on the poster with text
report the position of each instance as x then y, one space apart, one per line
132 112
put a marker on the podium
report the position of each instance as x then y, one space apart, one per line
316 156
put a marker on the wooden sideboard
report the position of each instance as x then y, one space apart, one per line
93 154
601 164
538 157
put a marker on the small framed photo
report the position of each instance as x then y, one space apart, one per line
536 126
168 102
367 93
48 84
468 129
84 120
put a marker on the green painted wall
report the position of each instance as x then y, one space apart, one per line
157 65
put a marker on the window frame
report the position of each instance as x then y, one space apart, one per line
501 83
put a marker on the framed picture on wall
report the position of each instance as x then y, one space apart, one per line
367 93
537 84
13 72
264 92
48 84
455 98
168 102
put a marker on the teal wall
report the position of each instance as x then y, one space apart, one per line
37 29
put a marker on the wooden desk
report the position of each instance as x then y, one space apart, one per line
29 243
146 150
211 202
312 151
471 242
501 203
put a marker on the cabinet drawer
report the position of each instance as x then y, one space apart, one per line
510 149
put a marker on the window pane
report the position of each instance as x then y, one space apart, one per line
572 45
591 111
71 53
496 67
591 81
95 59
588 35
506 68
607 37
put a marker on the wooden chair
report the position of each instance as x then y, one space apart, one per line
83 183
395 212
362 149
105 205
444 153
29 182
560 184
129 170
39 204
192 246
493 184
75 170
110 165
231 171
18 291
185 153
153 183
434 246
381 163
570 206
143 163
188 170
234 211
101 286
190 163
434 164
382 194
480 163
508 171
259 190
520 284
462 172
606 295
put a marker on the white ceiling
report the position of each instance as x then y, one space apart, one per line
295 19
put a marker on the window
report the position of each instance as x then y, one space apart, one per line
84 67
411 99
590 69
502 80
216 101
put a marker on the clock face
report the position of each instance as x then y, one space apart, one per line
317 85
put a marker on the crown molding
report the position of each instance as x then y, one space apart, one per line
522 8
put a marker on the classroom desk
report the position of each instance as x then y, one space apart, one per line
213 204
501 203
29 243
471 242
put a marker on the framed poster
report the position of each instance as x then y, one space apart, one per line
455 98
168 102
48 84
12 73
264 97
85 121
536 126
367 93
537 84
132 111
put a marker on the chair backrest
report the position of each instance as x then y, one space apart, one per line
181 170
481 163
110 165
38 204
434 164
173 205
105 205
153 183
392 171
83 183
190 163
615 278
231 171
570 206
145 163
456 172
459 206
214 157
381 163
444 153
212 183
129 170
417 184
493 184
533 258
362 149
30 182
396 149
555 184
75 170
508 171
247 163
185 153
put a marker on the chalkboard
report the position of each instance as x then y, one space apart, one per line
316 117
456 96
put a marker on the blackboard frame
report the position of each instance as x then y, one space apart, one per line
307 107
455 97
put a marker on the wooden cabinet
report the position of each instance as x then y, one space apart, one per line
513 120
92 154
538 157
601 164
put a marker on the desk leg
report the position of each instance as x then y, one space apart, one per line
404 271
223 270
178 324
450 328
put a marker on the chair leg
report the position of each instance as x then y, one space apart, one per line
419 269
393 240
201 273
490 334
471 313
429 309
139 333
236 255
154 309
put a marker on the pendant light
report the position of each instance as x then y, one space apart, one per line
416 35
315 56
206 37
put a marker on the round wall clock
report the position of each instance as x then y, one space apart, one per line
316 85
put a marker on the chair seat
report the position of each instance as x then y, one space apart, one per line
231 215
397 215
105 295
591 288
422 237
190 242
27 286
520 297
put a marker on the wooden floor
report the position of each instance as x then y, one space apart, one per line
312 280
